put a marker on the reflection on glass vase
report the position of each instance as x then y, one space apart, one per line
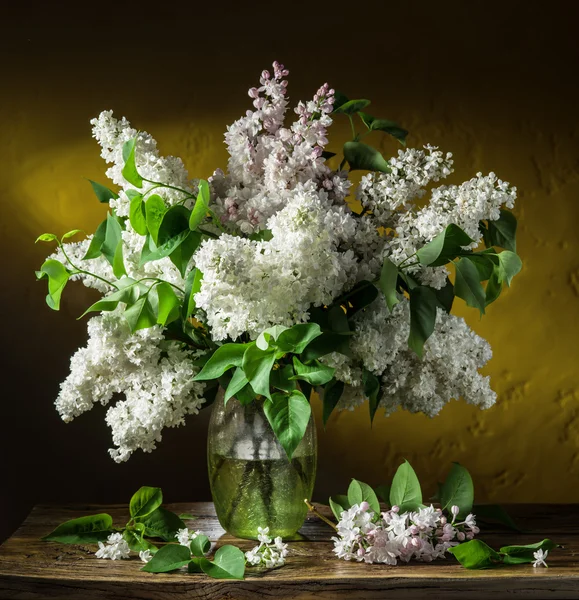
253 483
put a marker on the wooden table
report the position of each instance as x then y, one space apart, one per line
32 569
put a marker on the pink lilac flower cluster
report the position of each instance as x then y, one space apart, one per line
423 535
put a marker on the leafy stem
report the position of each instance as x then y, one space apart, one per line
313 509
78 270
158 184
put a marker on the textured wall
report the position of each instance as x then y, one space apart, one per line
492 86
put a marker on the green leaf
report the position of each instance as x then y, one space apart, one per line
371 391
338 320
509 265
134 537
257 365
282 379
118 262
446 246
84 530
237 383
103 194
140 315
296 338
192 286
174 221
326 155
360 296
445 296
129 171
71 233
387 283
503 232
359 492
351 107
181 256
385 125
339 503
223 359
288 415
467 285
362 156
405 491
113 237
200 546
264 235
155 209
168 558
483 263
458 490
423 304
201 207
128 293
315 374
331 396
495 512
169 304
94 249
528 550
162 523
494 287
325 344
137 215
188 517
46 237
145 501
228 563
383 492
264 338
475 555
165 249
339 99
57 280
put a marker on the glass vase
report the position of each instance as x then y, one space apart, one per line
253 483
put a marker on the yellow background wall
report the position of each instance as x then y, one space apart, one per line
494 87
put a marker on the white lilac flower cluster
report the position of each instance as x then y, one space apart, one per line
185 536
314 249
424 535
116 547
270 553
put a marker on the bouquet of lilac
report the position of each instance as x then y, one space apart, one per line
267 281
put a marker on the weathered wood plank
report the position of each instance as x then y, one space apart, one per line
31 569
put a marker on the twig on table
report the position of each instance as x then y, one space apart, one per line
313 509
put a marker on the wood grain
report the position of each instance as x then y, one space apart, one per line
31 569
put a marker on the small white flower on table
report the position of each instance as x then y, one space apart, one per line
540 557
185 537
115 548
145 555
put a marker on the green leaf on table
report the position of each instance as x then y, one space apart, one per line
503 232
339 503
526 552
458 489
192 286
135 540
360 156
296 338
103 194
371 385
405 491
201 207
137 215
423 303
141 314
330 397
315 374
257 365
58 277
224 358
475 555
169 304
145 501
509 265
181 256
98 238
187 517
46 237
237 383
113 237
467 285
155 209
129 171
200 545
359 492
390 127
288 415
494 287
446 246
162 523
383 492
264 338
387 283
282 379
351 107
228 563
168 558
84 530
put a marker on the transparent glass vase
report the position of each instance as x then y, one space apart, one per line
253 483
